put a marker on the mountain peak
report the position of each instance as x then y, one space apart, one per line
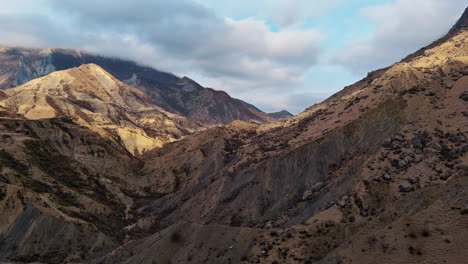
189 85
90 66
92 97
461 24
281 115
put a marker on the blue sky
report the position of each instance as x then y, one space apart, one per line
276 54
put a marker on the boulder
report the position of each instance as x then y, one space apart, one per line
464 211
363 108
434 145
317 187
341 203
464 96
446 176
402 163
386 177
307 195
406 187
387 142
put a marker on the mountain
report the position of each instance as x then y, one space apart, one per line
181 96
281 115
377 171
91 97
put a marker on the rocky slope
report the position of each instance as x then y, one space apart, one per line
91 97
377 171
181 96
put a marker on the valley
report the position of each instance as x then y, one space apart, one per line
102 164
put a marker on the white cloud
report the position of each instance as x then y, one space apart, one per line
243 56
401 27
283 13
180 36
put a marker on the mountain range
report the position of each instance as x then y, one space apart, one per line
105 161
181 96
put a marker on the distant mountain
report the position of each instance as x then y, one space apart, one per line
181 96
281 115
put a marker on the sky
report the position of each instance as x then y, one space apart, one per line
275 54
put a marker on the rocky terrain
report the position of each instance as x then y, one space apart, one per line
181 96
377 171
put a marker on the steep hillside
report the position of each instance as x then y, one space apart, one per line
93 98
181 96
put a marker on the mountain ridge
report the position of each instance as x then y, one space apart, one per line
460 25
168 91
92 97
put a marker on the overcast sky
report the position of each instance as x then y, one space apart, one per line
276 54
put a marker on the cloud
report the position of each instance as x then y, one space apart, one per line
180 36
401 27
286 13
282 13
260 51
195 36
29 30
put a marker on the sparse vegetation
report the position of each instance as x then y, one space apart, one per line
3 192
175 237
7 160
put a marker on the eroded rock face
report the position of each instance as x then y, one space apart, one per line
38 237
